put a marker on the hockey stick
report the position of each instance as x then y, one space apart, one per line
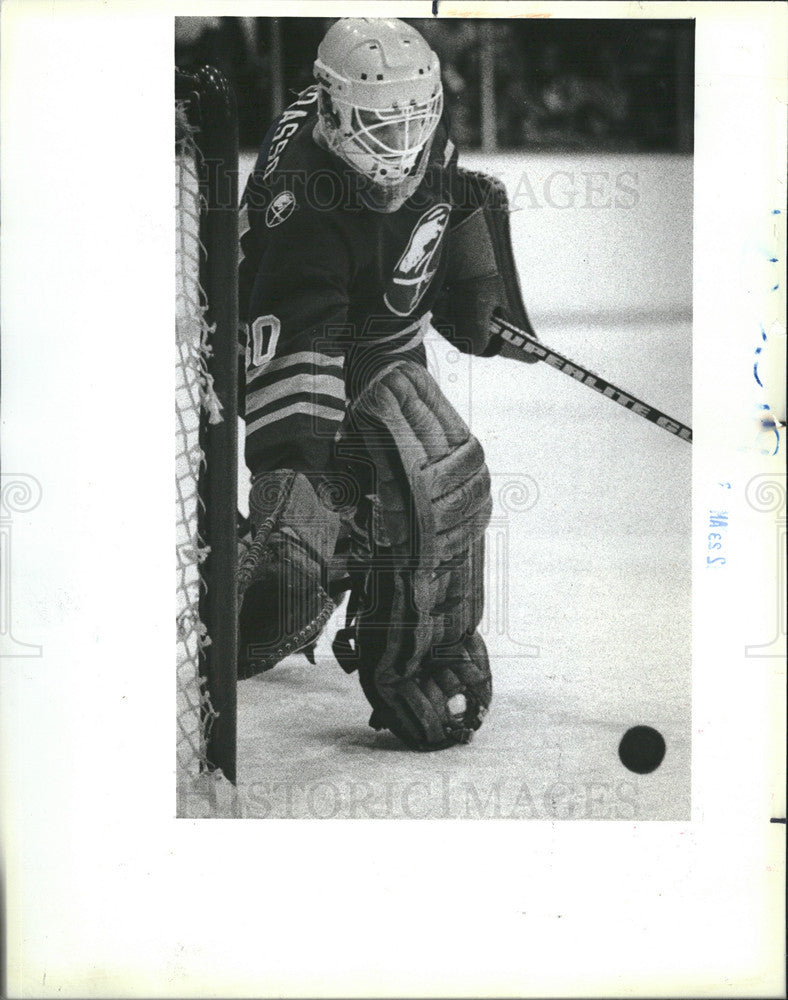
530 345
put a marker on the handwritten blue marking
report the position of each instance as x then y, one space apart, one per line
755 373
768 423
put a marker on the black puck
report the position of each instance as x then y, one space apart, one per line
641 749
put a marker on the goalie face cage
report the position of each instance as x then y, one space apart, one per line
206 191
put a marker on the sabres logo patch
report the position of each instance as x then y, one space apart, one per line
415 269
281 208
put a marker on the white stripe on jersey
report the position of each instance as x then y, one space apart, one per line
421 325
324 412
414 342
322 385
299 358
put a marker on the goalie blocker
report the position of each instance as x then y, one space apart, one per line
481 309
481 282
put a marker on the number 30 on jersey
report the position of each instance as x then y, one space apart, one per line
263 338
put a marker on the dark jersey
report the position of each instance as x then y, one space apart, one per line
328 286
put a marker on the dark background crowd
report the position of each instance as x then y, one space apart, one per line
509 84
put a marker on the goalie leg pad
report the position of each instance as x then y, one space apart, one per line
414 637
481 275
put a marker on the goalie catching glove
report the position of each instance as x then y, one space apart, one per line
282 585
417 596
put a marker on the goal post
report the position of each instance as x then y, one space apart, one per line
206 426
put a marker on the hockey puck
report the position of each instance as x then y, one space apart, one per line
641 749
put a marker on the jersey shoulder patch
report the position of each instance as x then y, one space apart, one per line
280 209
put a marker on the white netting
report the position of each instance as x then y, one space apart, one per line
194 395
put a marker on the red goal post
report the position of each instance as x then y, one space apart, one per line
206 429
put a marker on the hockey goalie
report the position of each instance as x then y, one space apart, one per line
358 231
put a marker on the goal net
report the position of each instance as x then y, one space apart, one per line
206 170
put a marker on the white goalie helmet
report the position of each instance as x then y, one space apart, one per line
380 100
